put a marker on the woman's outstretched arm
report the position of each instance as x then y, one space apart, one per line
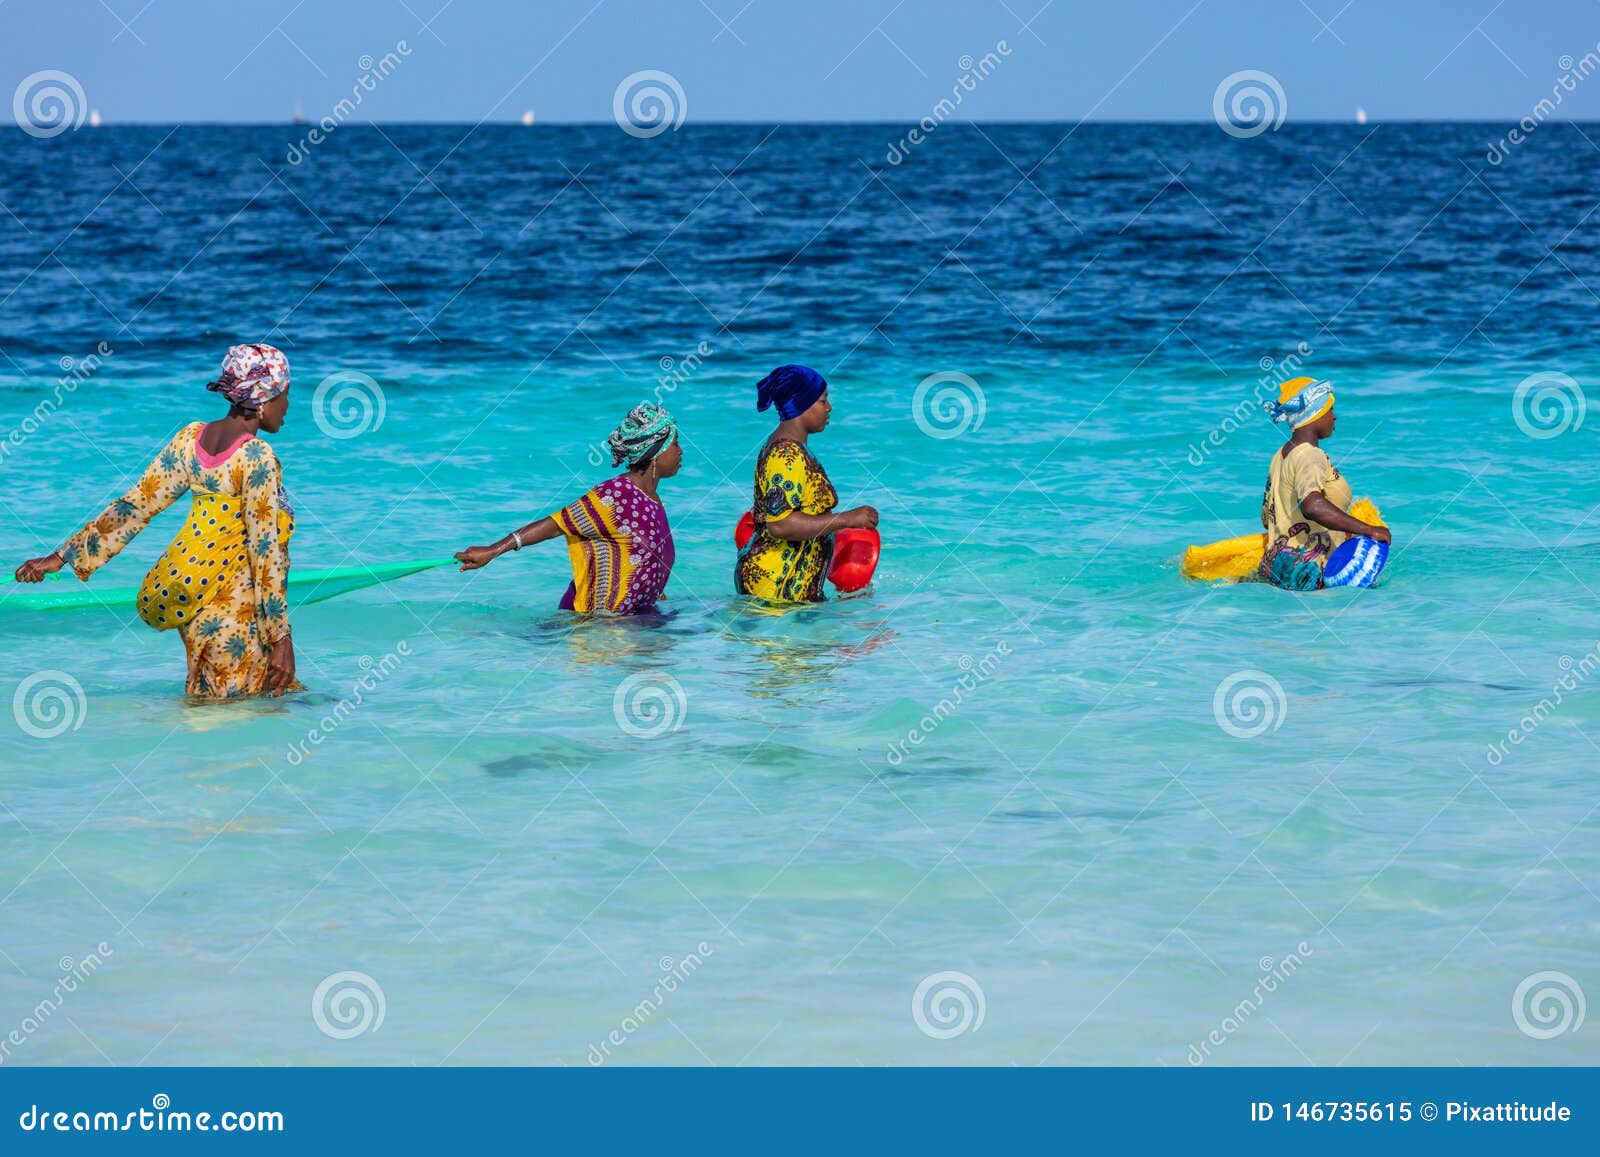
477 556
103 537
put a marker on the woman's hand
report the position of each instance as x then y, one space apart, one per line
476 556
862 518
1377 533
280 666
35 569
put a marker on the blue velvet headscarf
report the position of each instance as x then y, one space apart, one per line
793 389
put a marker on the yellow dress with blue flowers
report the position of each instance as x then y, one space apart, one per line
221 584
787 479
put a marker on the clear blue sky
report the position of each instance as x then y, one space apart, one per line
789 60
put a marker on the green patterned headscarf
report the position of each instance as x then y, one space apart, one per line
645 432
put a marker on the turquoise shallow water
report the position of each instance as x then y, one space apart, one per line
527 822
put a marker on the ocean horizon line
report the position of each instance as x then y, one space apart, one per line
1371 122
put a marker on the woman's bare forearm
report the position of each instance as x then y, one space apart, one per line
799 527
1317 507
542 530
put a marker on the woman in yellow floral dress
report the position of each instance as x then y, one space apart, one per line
787 558
221 584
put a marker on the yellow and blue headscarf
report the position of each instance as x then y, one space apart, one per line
793 389
1301 401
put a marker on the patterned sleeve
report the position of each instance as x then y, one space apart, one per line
1311 470
573 519
783 481
269 550
163 481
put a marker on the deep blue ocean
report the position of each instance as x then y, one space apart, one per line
1032 798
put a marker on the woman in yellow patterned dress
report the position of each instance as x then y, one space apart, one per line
221 584
787 558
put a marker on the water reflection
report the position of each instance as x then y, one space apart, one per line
796 652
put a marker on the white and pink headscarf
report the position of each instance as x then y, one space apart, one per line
252 375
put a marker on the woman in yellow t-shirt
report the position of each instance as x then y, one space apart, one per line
787 558
1305 504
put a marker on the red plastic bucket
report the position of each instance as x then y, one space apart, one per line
855 558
